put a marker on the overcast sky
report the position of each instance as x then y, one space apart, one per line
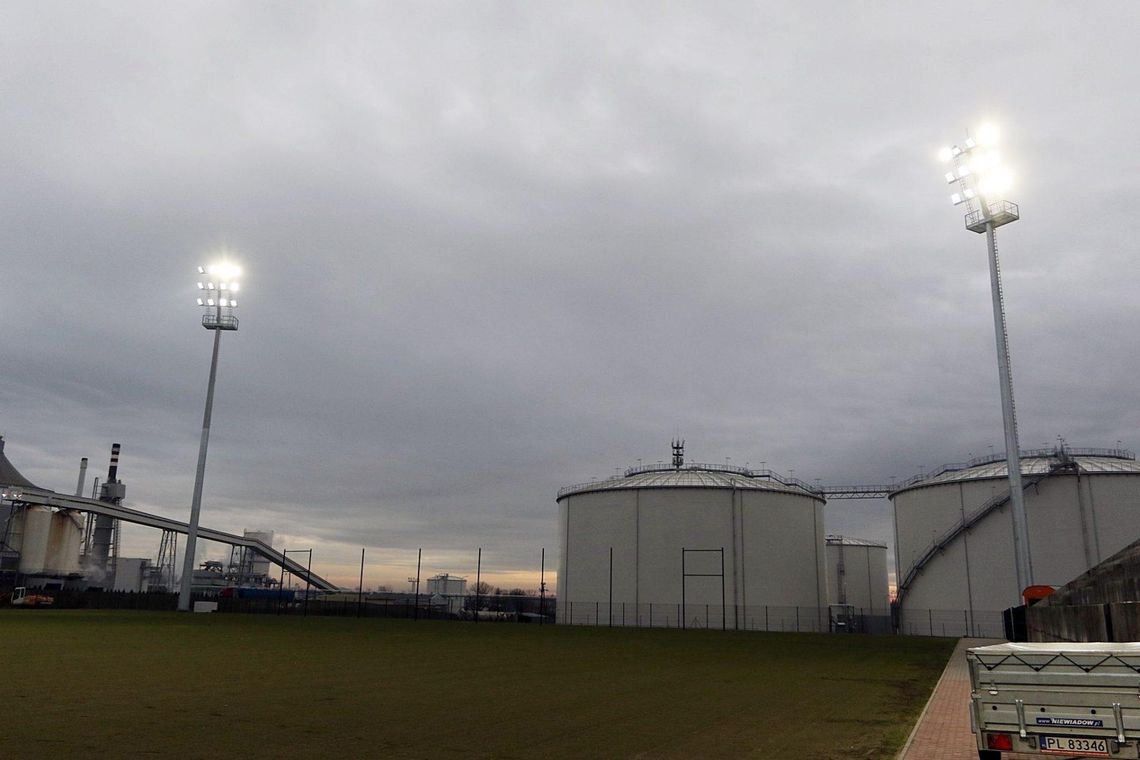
492 249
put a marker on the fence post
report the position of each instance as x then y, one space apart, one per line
965 624
597 613
623 614
930 616
765 617
651 614
797 618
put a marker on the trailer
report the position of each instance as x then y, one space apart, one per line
1072 700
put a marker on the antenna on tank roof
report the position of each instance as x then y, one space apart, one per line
678 452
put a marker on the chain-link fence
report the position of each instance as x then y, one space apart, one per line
548 610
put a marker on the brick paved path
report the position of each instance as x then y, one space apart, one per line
943 730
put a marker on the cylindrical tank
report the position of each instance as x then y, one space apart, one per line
954 532
63 543
635 548
857 575
36 533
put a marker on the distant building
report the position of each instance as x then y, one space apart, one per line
131 574
447 591
447 585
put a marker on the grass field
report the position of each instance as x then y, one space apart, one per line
78 684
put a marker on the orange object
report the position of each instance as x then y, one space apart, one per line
1034 594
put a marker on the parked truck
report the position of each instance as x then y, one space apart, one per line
21 598
1073 700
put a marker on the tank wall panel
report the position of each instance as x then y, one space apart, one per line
598 522
865 576
1116 503
784 561
923 515
37 533
692 518
1057 544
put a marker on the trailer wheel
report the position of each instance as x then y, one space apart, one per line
989 754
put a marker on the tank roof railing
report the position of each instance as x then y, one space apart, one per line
1055 452
860 491
700 467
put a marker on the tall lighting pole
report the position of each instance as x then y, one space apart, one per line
979 182
217 287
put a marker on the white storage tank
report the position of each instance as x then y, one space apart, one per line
954 532
857 575
634 548
35 534
64 542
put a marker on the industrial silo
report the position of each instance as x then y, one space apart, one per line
954 533
692 545
64 542
34 530
857 576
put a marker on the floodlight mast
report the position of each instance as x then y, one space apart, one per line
978 178
216 288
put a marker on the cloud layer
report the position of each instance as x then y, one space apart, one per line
493 250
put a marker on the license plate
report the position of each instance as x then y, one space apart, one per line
1065 745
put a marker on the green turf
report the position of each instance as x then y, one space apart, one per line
132 684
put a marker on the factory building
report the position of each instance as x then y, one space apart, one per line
693 545
954 532
857 575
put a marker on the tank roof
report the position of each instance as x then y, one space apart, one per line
1033 462
695 476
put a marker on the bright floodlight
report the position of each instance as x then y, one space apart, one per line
988 135
946 154
981 182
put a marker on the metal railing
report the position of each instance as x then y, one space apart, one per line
746 472
1000 212
856 491
219 322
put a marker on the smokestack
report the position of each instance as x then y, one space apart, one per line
113 470
82 476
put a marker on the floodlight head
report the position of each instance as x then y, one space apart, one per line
201 270
224 270
955 198
970 144
951 178
201 302
946 154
